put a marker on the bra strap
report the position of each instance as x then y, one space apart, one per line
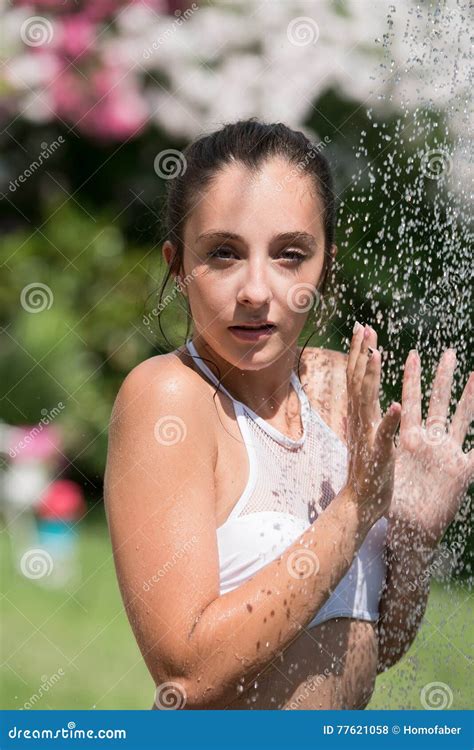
205 369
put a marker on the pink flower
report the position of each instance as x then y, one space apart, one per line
120 111
76 35
108 106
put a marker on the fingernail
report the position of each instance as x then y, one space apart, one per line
356 327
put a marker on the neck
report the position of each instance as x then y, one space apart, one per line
267 390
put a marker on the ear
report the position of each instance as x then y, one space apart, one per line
334 250
168 250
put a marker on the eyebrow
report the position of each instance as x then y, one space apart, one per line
302 238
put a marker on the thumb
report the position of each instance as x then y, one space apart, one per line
386 432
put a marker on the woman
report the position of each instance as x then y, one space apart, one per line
263 529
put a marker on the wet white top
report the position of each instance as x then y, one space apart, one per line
290 483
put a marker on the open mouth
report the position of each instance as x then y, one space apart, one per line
252 333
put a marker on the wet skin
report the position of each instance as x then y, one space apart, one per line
332 665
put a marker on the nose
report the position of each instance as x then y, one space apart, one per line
255 290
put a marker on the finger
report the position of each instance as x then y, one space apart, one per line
464 413
369 393
354 349
357 335
361 362
386 431
411 393
441 392
373 345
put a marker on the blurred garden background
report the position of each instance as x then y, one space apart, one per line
92 94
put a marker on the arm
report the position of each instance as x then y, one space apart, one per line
160 503
405 595
431 478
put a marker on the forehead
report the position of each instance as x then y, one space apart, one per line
276 198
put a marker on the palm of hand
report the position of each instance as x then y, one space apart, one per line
432 472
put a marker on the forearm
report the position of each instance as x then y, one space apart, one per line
240 633
405 595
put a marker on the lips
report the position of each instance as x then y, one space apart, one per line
252 333
253 327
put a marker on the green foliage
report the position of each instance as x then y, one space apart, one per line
89 336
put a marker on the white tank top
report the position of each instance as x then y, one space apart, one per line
290 483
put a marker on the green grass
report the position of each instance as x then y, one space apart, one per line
86 634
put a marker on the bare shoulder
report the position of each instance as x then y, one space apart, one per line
164 381
314 353
323 374
164 400
324 363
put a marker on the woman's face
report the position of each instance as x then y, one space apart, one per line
253 251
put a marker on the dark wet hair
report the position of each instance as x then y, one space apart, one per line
250 142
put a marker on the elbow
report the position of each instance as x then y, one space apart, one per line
194 693
171 694
190 685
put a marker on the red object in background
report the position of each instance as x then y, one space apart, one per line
62 499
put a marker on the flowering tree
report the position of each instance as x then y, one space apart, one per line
108 68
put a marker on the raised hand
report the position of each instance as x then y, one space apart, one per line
432 473
369 438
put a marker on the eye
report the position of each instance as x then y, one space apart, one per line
216 251
293 255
